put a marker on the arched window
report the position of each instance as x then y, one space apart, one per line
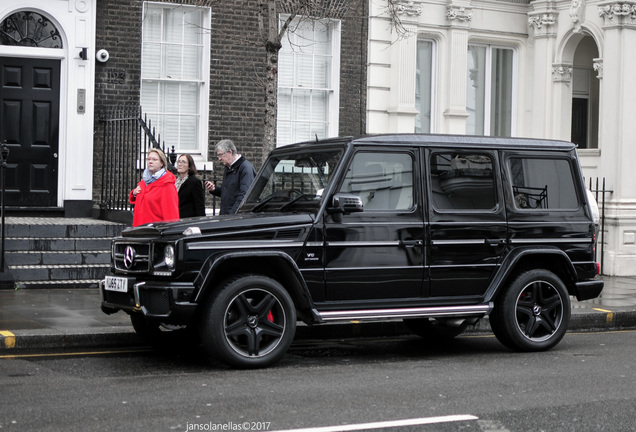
26 28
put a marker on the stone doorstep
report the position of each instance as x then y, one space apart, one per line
26 258
50 284
40 244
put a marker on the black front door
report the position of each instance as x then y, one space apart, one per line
30 109
377 255
579 121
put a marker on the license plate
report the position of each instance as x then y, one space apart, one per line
114 283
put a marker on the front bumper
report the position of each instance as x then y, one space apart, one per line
168 301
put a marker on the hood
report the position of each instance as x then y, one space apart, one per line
215 224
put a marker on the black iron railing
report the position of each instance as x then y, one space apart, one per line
127 136
125 142
598 188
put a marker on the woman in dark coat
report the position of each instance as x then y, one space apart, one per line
190 189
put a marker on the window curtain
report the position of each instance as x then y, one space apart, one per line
304 82
171 69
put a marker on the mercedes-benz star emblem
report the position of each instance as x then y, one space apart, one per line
129 257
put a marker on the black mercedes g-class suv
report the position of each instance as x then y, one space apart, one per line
436 230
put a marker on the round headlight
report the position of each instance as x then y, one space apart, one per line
168 256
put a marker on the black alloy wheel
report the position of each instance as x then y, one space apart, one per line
533 313
249 323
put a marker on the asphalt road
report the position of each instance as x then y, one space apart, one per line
586 383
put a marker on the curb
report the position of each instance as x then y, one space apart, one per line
101 337
109 337
603 320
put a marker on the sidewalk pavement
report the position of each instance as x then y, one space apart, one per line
32 319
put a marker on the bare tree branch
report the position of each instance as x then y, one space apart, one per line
393 9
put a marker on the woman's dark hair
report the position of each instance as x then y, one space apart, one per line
192 169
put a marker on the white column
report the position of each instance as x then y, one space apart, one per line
458 15
617 142
542 19
401 109
560 126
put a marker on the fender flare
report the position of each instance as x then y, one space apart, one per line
515 256
298 290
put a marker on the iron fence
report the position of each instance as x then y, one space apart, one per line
600 192
127 136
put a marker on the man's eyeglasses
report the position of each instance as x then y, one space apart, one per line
220 154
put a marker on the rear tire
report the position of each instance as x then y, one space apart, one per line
533 313
249 323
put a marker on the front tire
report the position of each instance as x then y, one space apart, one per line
533 313
249 323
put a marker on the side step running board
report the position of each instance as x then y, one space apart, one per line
433 312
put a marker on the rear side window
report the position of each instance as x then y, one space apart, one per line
542 184
462 181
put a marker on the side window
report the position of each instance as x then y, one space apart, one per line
462 181
175 74
542 184
308 81
424 85
384 181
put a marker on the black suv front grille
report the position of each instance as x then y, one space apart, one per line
132 257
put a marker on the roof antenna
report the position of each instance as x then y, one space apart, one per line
316 137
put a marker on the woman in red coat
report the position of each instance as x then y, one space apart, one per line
155 197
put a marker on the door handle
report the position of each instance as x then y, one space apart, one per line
411 243
495 242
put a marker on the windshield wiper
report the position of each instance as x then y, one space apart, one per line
261 204
292 202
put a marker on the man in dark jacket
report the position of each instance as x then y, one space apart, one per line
237 177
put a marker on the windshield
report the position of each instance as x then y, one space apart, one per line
293 182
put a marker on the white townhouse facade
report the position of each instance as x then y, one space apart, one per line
47 57
545 69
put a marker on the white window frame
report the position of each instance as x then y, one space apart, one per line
433 85
333 104
200 151
487 106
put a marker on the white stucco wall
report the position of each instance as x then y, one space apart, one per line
75 20
545 35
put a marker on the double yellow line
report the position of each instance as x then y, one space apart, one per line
8 338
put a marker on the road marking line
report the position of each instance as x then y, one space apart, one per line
76 353
388 424
9 338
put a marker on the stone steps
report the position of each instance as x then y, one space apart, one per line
58 252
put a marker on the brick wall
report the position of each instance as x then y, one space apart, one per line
353 69
236 71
